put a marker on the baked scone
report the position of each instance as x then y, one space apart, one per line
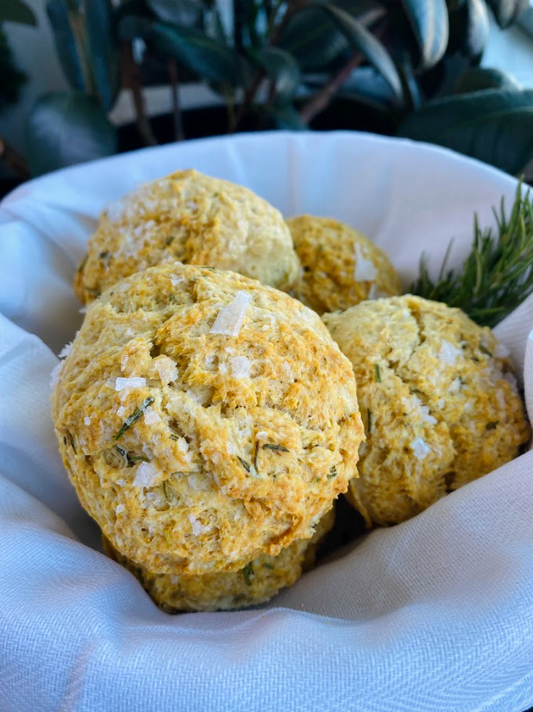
256 582
340 266
438 399
193 218
205 419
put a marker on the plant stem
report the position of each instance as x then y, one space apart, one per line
132 80
319 101
175 94
322 99
275 34
14 160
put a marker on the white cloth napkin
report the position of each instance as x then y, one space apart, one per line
433 615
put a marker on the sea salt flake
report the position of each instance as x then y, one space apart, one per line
231 448
65 350
121 411
262 434
441 403
146 475
425 415
502 351
87 420
121 482
197 526
134 382
223 368
119 508
175 280
420 448
455 386
230 318
167 370
365 270
151 416
123 362
54 376
240 366
448 353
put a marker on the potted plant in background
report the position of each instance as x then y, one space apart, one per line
12 79
409 68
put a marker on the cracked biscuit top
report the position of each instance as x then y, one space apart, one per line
438 399
340 266
205 419
193 218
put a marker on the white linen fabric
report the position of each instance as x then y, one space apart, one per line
433 615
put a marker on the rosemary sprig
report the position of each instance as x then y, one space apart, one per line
275 448
498 273
134 417
248 572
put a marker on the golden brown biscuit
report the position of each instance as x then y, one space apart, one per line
205 419
340 266
193 218
438 399
256 582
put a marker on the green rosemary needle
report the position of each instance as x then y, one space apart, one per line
498 273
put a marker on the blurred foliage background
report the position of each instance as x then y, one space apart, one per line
397 67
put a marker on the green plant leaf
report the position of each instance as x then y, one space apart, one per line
495 126
65 128
17 11
287 118
480 78
210 59
361 40
429 22
103 51
65 43
283 69
12 79
506 11
315 41
179 12
368 86
476 28
436 116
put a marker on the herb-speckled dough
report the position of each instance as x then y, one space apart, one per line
438 399
255 583
340 266
247 438
193 218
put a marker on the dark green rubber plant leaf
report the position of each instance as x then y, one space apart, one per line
67 51
315 41
495 126
363 41
506 11
481 78
103 51
17 11
287 118
429 22
210 59
65 128
476 28
179 12
282 68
